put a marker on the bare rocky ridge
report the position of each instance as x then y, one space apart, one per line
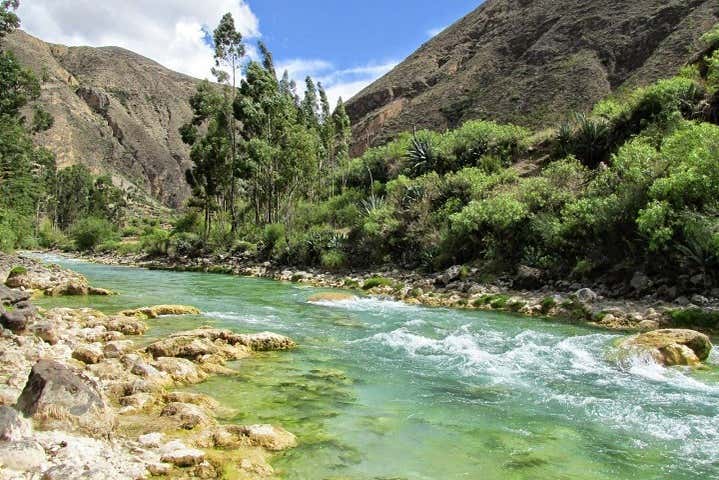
115 111
530 62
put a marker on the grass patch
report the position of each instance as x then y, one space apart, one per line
350 283
375 282
495 301
17 271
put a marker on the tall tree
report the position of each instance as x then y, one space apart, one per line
229 51
326 131
309 106
343 134
9 21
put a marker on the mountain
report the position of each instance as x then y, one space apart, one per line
530 62
115 111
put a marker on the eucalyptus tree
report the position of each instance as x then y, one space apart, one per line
229 52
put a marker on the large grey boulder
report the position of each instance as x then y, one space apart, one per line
63 398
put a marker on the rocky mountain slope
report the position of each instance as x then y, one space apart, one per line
115 111
530 62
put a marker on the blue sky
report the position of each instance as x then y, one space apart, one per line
350 43
344 44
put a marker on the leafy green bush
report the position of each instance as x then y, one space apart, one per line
271 235
547 304
695 317
92 231
333 260
155 241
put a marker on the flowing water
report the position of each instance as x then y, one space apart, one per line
382 390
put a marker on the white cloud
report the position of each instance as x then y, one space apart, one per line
436 31
170 32
338 83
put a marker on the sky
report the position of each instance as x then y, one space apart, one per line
345 45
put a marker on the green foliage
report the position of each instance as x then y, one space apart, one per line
90 232
155 241
547 304
272 235
333 260
375 282
695 317
17 271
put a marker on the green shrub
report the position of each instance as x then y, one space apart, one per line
49 236
155 241
242 246
271 235
185 244
547 304
91 231
499 301
333 260
377 282
350 283
695 317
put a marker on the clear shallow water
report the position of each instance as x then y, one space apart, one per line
381 390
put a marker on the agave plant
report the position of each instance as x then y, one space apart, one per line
421 153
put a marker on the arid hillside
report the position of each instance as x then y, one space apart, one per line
530 62
115 111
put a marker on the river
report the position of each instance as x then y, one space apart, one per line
382 390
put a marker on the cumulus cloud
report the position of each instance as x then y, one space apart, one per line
337 82
171 32
175 34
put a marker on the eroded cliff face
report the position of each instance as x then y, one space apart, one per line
530 62
116 112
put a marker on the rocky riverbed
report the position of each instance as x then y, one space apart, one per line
644 306
82 395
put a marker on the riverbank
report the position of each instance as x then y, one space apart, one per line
463 288
85 391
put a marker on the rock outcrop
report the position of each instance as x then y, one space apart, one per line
671 346
531 63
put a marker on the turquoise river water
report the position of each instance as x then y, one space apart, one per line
381 390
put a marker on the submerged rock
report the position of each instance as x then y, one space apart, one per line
671 346
160 310
331 297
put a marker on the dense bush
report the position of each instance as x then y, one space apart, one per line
91 232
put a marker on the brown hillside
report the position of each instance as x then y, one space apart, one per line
115 111
530 62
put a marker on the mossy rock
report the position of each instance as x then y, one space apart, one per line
331 297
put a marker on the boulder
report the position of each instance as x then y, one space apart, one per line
198 399
671 346
89 353
528 278
12 426
46 332
160 310
22 456
586 295
151 440
137 401
178 454
268 437
58 395
117 348
187 415
450 275
182 346
640 282
125 325
9 296
265 341
15 320
180 369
